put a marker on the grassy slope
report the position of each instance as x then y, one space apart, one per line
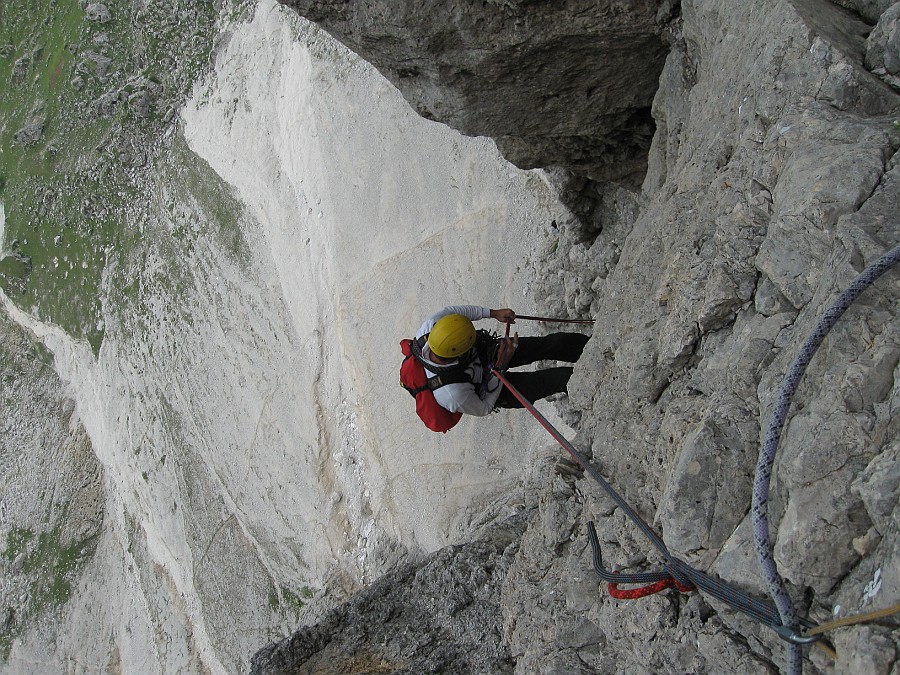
73 199
74 196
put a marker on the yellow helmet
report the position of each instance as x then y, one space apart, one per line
453 335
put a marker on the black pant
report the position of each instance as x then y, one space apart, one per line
542 383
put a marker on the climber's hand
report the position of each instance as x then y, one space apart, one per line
504 315
507 349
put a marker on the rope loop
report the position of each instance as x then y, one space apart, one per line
644 591
759 507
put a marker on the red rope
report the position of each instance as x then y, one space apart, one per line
644 591
538 416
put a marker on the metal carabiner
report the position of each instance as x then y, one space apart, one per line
789 634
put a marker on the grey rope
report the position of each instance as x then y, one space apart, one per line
613 577
764 553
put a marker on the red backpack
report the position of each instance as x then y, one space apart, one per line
417 383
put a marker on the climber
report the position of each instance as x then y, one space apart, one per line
449 347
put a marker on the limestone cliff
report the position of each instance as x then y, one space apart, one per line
771 181
202 431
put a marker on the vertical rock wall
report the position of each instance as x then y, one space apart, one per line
772 183
240 427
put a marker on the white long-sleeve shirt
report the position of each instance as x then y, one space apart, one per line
462 396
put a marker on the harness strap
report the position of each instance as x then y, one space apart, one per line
447 375
415 349
437 382
485 350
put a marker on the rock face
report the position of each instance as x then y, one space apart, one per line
46 545
251 446
439 615
554 83
772 181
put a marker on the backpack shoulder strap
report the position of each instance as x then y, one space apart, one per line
457 368
439 381
443 375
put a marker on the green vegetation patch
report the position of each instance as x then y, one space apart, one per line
49 565
286 601
87 95
41 134
194 181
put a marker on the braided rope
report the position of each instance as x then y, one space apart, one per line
766 460
645 591
855 619
619 577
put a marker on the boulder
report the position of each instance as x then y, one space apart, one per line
31 134
883 44
98 12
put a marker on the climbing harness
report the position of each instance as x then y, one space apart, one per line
415 380
780 616
777 589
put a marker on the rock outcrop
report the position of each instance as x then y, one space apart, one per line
554 83
771 182
43 449
440 615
